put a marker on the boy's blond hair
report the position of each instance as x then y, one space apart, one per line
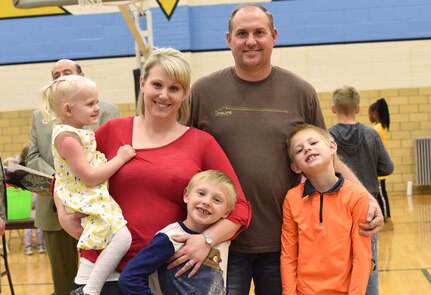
346 99
326 136
221 179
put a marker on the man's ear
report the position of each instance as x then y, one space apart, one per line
274 35
295 168
228 39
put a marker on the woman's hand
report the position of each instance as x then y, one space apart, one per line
71 223
193 252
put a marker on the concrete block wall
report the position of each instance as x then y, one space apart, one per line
15 129
410 110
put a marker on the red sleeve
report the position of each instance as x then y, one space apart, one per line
214 158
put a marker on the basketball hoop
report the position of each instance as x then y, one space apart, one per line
85 4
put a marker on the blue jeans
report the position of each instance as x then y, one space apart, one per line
110 288
263 268
373 281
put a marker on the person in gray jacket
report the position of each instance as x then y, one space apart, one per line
60 246
362 150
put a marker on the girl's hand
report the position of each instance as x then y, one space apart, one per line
126 152
192 253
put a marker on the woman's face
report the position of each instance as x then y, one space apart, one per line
162 96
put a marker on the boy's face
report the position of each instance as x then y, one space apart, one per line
311 152
206 203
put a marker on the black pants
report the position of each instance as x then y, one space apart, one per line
383 199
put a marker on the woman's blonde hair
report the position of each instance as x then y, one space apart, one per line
60 91
177 68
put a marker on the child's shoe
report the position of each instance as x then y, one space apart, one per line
28 250
40 248
78 291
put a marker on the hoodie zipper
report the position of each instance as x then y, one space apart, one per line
321 210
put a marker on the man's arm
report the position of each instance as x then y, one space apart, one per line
40 135
374 215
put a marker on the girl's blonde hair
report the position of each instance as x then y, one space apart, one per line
177 68
60 91
220 179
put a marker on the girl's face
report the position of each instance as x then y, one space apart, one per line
162 96
372 115
84 111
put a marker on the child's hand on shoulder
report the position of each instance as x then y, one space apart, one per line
126 152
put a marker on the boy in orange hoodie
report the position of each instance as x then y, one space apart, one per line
322 251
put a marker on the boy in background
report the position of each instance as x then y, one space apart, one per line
322 251
209 196
362 150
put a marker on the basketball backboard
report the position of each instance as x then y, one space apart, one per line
75 7
43 3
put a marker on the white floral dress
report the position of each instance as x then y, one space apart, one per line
104 214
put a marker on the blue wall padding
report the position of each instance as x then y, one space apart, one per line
203 28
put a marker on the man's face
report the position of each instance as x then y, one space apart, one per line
251 40
64 67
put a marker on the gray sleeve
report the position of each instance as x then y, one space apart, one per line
36 158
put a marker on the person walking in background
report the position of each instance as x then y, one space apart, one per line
60 246
249 109
361 148
322 251
379 117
